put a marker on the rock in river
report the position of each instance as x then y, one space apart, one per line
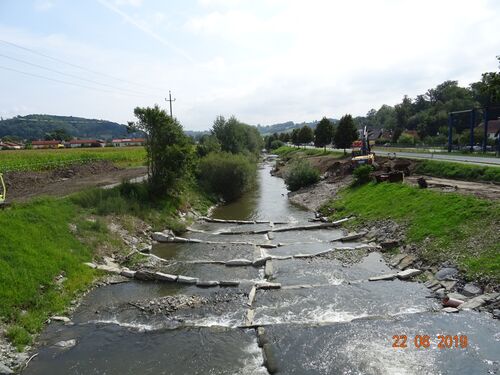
409 273
446 273
471 290
66 344
238 262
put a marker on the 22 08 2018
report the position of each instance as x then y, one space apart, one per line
426 341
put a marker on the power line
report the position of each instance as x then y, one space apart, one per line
70 75
76 66
64 82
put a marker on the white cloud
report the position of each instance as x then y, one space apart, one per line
134 3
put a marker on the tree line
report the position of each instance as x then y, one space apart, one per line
223 163
326 132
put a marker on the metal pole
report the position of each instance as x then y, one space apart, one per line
472 124
450 121
485 119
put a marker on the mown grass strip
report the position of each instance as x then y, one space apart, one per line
458 171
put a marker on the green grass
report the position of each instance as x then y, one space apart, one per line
24 160
453 227
36 245
458 171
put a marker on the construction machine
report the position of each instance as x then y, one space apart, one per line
3 190
361 151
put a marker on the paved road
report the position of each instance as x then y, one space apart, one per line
445 157
478 160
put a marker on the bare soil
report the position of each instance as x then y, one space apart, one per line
22 186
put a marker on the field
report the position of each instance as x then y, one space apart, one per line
35 160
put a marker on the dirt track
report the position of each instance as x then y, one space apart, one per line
22 186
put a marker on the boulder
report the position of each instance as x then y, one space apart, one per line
448 284
229 283
440 293
409 273
473 303
4 370
251 295
66 344
446 273
128 273
161 237
249 318
165 277
431 283
471 290
186 280
207 284
269 359
238 263
144 275
406 262
457 296
261 337
63 319
396 259
389 276
450 310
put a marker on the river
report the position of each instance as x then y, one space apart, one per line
326 318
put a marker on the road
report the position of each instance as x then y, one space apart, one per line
477 160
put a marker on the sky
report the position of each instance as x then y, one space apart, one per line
264 61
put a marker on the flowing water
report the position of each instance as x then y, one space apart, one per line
326 318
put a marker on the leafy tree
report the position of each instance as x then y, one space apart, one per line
487 91
300 174
276 144
323 133
169 152
346 133
236 137
284 137
207 143
305 135
58 135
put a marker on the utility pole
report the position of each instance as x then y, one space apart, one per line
170 100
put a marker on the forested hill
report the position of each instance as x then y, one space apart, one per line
287 127
33 127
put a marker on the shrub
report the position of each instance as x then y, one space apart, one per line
300 174
362 174
227 175
276 144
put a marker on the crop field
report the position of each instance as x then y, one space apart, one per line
34 160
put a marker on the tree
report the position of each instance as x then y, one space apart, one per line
236 137
305 135
294 138
346 133
169 152
323 133
58 135
208 143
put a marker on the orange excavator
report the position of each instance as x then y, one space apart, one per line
361 151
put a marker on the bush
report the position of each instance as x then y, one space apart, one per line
362 174
227 175
300 174
276 144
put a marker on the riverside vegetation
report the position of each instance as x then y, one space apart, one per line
43 243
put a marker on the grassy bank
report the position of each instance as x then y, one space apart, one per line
44 243
454 227
458 171
33 160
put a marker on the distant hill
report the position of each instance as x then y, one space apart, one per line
286 127
34 127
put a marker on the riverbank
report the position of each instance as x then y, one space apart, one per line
45 243
435 229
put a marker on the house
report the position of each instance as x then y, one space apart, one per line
128 142
493 128
76 143
10 146
46 144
